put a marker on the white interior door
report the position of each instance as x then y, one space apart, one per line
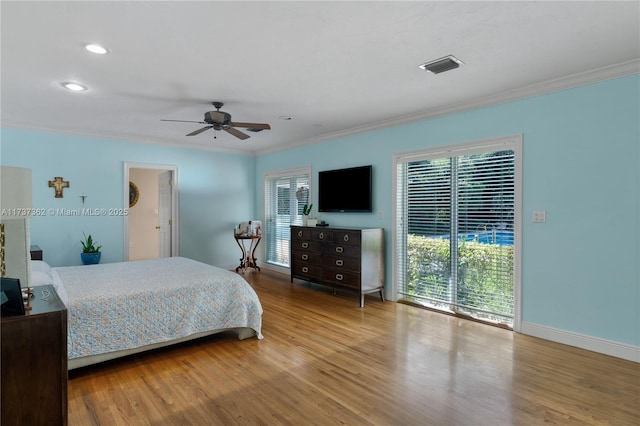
164 213
162 216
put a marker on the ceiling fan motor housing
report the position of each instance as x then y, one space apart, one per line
217 117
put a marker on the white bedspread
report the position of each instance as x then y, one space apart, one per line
126 305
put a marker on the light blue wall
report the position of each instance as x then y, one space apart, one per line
216 191
580 270
581 164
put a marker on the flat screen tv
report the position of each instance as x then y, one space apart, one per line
345 190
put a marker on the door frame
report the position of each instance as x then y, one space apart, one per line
175 228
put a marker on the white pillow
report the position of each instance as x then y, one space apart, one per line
42 274
57 284
40 278
40 266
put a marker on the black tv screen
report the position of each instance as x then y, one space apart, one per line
345 190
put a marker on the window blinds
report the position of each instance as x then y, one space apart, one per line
455 229
286 192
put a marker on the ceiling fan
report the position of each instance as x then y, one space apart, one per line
220 120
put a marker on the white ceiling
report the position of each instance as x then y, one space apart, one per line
335 67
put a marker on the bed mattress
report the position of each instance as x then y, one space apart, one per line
120 306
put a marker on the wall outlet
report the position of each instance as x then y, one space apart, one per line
539 216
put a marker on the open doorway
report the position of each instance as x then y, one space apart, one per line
151 227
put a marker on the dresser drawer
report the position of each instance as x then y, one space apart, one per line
324 235
306 257
300 234
351 279
341 263
347 237
307 270
342 250
305 245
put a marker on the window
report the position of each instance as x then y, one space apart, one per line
285 194
457 228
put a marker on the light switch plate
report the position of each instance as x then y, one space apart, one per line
539 216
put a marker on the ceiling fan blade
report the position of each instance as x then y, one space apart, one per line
197 132
186 121
237 133
261 126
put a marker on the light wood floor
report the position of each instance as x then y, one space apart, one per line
325 361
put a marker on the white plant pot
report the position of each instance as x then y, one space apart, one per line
312 222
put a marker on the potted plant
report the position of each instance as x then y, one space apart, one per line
90 252
306 211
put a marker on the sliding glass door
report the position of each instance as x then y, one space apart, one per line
456 225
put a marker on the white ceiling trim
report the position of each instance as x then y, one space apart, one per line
555 85
126 139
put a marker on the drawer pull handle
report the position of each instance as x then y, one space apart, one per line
346 237
305 245
305 269
305 257
339 277
339 262
321 235
339 249
299 233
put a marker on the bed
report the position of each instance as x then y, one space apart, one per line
119 309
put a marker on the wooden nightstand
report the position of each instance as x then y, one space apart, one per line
34 363
36 252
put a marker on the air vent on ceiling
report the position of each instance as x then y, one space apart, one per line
441 65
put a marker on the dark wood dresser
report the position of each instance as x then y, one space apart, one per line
34 363
349 258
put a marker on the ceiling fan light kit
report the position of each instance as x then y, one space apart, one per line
217 117
446 63
220 120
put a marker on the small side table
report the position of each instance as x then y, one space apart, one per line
248 259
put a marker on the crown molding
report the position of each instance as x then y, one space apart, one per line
563 83
575 80
123 138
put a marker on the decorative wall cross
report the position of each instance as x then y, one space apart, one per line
58 185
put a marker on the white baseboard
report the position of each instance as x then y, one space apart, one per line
595 344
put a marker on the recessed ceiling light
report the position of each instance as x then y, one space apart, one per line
441 65
96 48
75 87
